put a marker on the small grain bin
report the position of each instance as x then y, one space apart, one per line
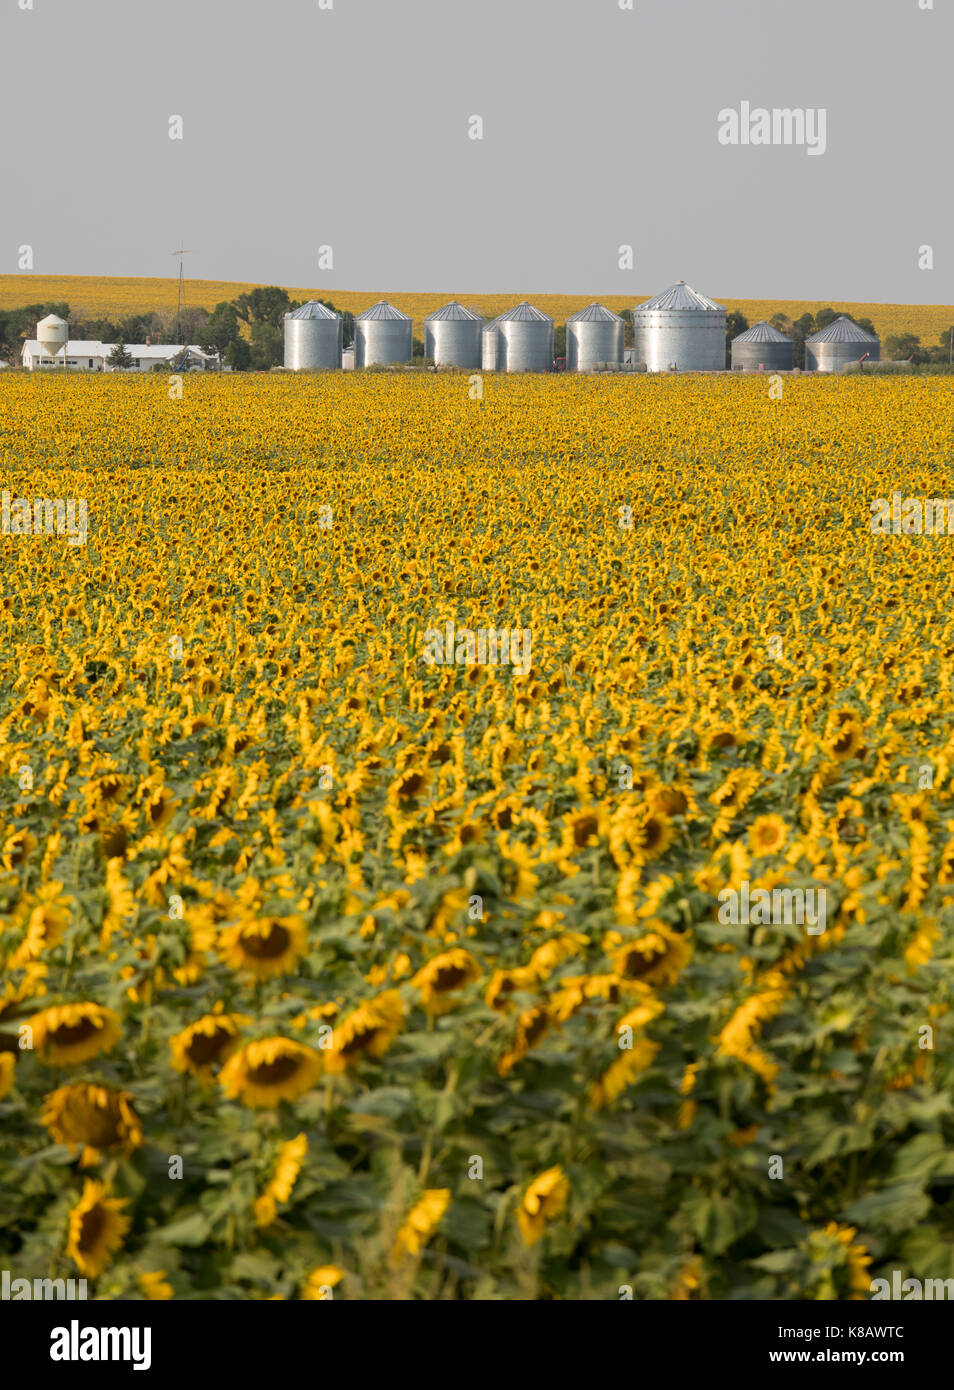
840 345
382 335
452 336
312 338
524 340
593 335
763 348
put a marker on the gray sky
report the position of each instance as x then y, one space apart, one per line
349 128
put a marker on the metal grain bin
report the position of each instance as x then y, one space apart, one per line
489 347
839 345
452 336
524 340
382 335
594 335
681 330
312 338
763 348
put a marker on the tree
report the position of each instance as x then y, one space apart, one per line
735 323
268 305
268 346
901 346
238 355
119 358
221 328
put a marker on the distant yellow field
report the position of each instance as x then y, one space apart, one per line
90 296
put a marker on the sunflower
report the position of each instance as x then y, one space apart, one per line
93 1119
265 946
543 1200
15 849
97 1229
70 1033
506 982
767 835
270 1070
208 1042
368 1030
47 922
656 958
290 1158
531 1025
639 833
155 1286
319 1283
8 1063
422 1221
444 974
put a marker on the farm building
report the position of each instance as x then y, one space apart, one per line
91 356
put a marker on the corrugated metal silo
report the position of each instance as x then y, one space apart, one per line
312 338
452 336
838 346
593 335
680 329
763 347
489 347
382 335
524 339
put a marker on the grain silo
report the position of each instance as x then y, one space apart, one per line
594 335
489 347
452 336
312 338
52 333
382 335
521 341
840 345
763 348
680 330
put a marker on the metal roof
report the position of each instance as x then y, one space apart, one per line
312 310
454 310
680 296
595 313
88 347
762 333
523 313
383 310
842 331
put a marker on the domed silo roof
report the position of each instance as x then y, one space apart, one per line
763 348
312 310
680 297
382 310
839 345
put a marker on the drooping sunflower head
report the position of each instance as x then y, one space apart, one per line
657 957
543 1200
368 1031
270 1070
443 975
264 946
70 1033
97 1229
205 1044
93 1119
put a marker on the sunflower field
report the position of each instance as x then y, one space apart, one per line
330 972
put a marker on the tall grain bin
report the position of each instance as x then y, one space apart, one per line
593 335
680 329
838 346
312 338
382 335
52 333
524 340
763 347
452 336
489 347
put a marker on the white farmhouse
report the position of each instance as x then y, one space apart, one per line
89 356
